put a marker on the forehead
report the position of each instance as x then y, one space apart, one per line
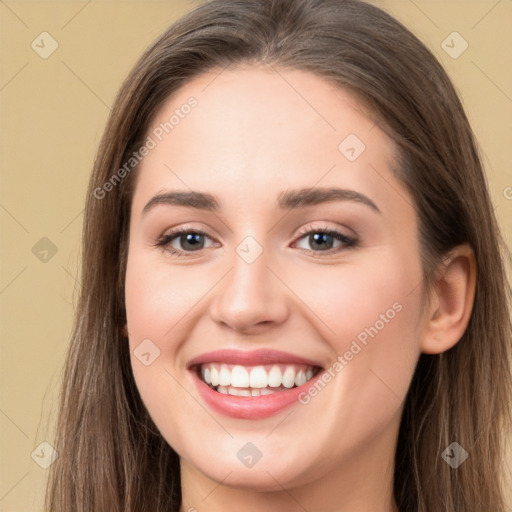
255 131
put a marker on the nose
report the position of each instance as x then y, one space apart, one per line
250 297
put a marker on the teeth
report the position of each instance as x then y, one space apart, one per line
215 376
224 376
228 390
289 377
257 380
274 377
300 378
258 377
239 377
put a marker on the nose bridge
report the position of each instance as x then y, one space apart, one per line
250 294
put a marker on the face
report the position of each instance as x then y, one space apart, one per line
281 315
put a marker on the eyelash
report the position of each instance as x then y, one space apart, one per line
348 242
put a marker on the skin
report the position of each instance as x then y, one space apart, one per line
250 137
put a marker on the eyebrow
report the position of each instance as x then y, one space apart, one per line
288 199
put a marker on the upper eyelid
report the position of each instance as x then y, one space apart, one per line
303 230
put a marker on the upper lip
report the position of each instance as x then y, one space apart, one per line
250 357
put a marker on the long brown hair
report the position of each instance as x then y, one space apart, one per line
111 456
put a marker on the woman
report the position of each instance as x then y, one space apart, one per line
222 358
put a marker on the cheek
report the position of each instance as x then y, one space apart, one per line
377 297
379 305
159 296
374 319
162 301
369 315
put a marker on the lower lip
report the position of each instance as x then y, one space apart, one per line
250 407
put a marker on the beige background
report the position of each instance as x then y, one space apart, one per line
53 112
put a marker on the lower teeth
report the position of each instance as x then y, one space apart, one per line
229 390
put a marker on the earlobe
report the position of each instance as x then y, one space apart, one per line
451 306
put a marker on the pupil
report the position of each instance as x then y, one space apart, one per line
191 238
320 237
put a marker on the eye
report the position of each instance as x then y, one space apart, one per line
190 240
323 240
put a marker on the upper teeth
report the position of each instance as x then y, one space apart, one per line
256 376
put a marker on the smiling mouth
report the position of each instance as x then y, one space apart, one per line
238 380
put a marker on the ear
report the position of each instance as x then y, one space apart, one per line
451 301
